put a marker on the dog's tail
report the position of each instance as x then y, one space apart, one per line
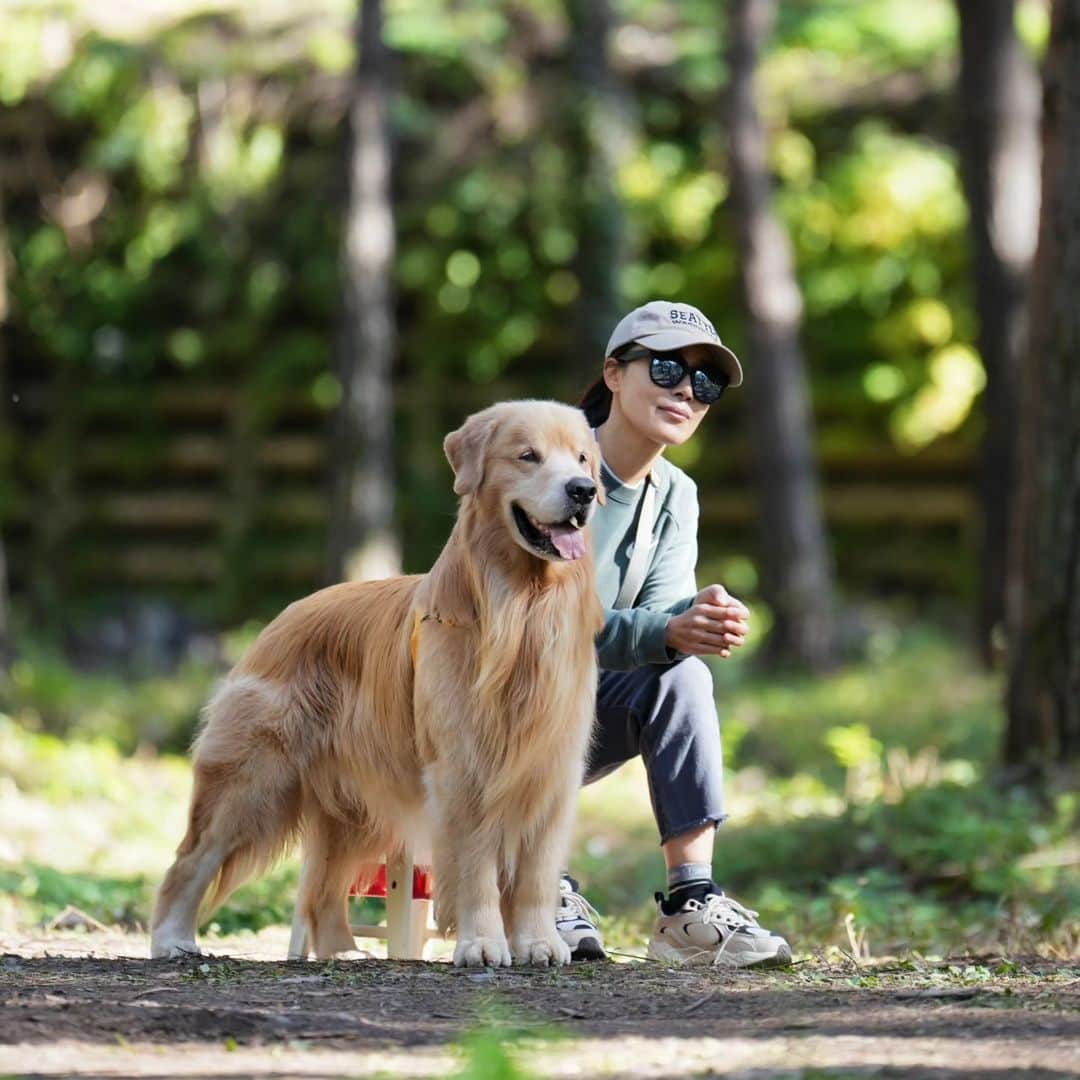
247 797
249 860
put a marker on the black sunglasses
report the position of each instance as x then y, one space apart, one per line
668 369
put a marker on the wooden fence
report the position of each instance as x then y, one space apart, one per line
176 489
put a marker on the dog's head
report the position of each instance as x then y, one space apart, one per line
535 467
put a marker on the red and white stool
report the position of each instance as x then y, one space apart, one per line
407 890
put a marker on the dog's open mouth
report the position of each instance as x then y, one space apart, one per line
563 539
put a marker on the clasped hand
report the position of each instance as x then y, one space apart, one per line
715 624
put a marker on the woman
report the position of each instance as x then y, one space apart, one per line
664 367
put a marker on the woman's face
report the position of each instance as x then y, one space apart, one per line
664 416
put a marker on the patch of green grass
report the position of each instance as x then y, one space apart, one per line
488 1055
42 892
44 693
863 815
916 690
493 1049
944 868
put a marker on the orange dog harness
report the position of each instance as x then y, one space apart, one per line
423 617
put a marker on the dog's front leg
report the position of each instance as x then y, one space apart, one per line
481 939
467 881
533 898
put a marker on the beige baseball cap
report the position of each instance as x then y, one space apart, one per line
663 325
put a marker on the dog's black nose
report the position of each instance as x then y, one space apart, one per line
581 490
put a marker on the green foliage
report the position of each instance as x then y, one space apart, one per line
487 1057
881 34
944 864
186 230
869 794
44 892
944 868
43 691
912 694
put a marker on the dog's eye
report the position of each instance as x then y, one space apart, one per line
582 458
529 455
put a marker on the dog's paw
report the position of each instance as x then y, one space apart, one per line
174 950
482 952
547 951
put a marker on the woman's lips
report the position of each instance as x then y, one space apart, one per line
675 412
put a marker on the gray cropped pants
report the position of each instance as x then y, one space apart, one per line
667 714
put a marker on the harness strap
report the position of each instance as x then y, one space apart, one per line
639 558
423 617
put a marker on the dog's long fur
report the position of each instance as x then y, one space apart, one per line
456 703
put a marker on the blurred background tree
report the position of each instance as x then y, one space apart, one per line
5 613
177 207
1043 734
362 539
796 564
604 142
999 141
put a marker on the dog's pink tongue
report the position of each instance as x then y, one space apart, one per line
569 542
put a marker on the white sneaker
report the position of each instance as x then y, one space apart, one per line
574 920
716 930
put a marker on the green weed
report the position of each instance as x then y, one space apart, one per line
864 815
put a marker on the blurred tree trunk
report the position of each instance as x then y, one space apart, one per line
797 578
5 607
1044 613
604 130
999 101
362 539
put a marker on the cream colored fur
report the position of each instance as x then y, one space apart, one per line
327 730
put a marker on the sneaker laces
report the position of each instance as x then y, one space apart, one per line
727 911
577 904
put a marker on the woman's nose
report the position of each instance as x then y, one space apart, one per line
684 389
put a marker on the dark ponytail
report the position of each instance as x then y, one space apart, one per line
595 403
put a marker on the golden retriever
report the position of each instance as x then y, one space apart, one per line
454 706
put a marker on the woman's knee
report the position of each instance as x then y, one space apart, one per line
680 699
683 720
691 681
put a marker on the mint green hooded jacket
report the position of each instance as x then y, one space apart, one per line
633 637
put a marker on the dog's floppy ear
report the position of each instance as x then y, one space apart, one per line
466 449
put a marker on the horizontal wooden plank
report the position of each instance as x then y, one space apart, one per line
861 504
307 507
845 505
185 509
169 397
197 509
199 397
305 452
164 564
204 453
149 561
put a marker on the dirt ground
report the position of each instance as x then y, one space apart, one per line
92 1005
